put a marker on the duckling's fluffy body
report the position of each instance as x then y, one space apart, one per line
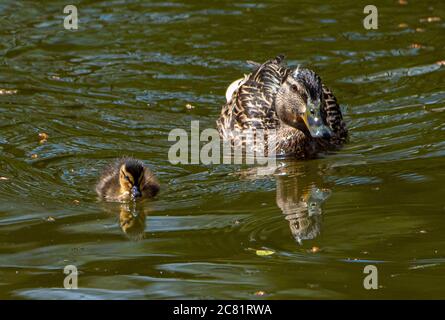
126 179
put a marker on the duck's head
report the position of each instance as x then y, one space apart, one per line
299 103
131 178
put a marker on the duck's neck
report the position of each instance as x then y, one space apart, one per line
291 141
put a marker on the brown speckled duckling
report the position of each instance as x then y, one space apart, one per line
127 179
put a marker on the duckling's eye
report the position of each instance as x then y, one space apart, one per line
294 88
126 177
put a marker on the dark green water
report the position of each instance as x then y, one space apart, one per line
120 83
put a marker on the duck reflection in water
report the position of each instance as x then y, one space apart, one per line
300 194
301 203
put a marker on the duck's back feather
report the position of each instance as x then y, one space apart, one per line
252 103
333 115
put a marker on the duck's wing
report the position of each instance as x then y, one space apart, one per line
251 105
333 114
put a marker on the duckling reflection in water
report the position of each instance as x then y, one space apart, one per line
132 222
127 179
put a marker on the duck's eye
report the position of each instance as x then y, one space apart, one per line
294 88
126 177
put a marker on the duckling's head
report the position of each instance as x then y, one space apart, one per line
131 177
299 103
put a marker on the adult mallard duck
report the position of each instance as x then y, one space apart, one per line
126 179
292 104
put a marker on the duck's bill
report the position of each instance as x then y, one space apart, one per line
135 192
315 124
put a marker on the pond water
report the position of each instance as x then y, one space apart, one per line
121 82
